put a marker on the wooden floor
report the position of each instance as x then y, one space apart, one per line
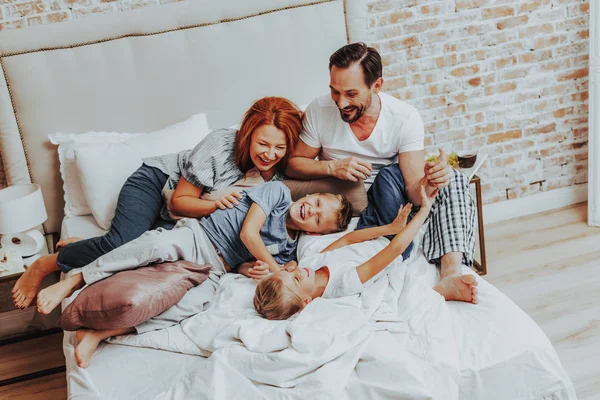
548 264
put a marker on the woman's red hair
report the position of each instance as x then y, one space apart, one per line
276 111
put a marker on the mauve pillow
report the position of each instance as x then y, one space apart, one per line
354 191
129 298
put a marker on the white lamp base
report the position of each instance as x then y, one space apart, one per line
25 244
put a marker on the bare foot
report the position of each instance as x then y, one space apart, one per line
87 342
458 287
28 284
69 240
49 298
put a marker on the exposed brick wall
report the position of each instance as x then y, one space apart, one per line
505 76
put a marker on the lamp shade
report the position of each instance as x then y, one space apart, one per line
21 208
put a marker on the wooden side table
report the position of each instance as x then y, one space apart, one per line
479 266
6 283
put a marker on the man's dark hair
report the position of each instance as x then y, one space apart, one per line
368 57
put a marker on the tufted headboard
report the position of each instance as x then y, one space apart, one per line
142 70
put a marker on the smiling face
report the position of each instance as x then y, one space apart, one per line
298 281
315 213
268 146
350 92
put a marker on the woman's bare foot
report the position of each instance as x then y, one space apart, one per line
69 240
89 339
49 298
28 284
458 287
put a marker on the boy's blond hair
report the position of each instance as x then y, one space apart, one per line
274 301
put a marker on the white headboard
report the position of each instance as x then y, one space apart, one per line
142 70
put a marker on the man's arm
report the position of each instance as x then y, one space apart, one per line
412 167
302 165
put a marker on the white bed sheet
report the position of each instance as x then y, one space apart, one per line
503 353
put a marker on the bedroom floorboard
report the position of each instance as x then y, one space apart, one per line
546 263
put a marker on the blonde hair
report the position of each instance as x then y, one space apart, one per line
273 300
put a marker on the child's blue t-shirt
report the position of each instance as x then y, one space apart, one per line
223 227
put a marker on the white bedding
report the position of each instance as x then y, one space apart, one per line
407 343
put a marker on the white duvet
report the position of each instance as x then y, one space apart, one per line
398 340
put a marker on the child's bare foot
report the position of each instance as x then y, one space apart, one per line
458 287
69 240
87 342
49 298
89 339
28 284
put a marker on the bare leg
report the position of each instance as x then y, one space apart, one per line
453 285
50 297
28 284
88 340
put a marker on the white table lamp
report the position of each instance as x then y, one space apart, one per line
21 210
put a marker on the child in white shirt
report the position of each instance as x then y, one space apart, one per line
288 291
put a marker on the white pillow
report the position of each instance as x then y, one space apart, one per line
104 167
75 203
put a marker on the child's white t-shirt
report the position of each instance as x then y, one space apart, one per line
343 281
399 129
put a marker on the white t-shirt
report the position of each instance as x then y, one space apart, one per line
399 129
343 281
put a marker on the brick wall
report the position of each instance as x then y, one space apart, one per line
505 76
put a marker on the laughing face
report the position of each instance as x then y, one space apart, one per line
298 280
315 213
350 92
268 146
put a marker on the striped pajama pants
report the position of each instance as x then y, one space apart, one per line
451 221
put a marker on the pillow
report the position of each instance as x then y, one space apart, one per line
129 298
75 203
104 167
354 191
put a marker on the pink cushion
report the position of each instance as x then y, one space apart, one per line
129 298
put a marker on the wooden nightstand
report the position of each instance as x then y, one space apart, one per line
39 326
479 266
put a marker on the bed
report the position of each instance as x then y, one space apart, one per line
141 71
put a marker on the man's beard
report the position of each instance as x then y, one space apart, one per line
360 111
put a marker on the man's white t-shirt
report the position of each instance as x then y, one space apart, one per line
343 281
399 129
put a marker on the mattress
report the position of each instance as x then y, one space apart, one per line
503 353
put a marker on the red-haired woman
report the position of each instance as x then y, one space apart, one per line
267 136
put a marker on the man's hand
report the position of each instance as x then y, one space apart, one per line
438 173
400 222
257 270
350 169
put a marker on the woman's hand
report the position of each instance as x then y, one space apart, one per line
228 201
401 219
257 270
